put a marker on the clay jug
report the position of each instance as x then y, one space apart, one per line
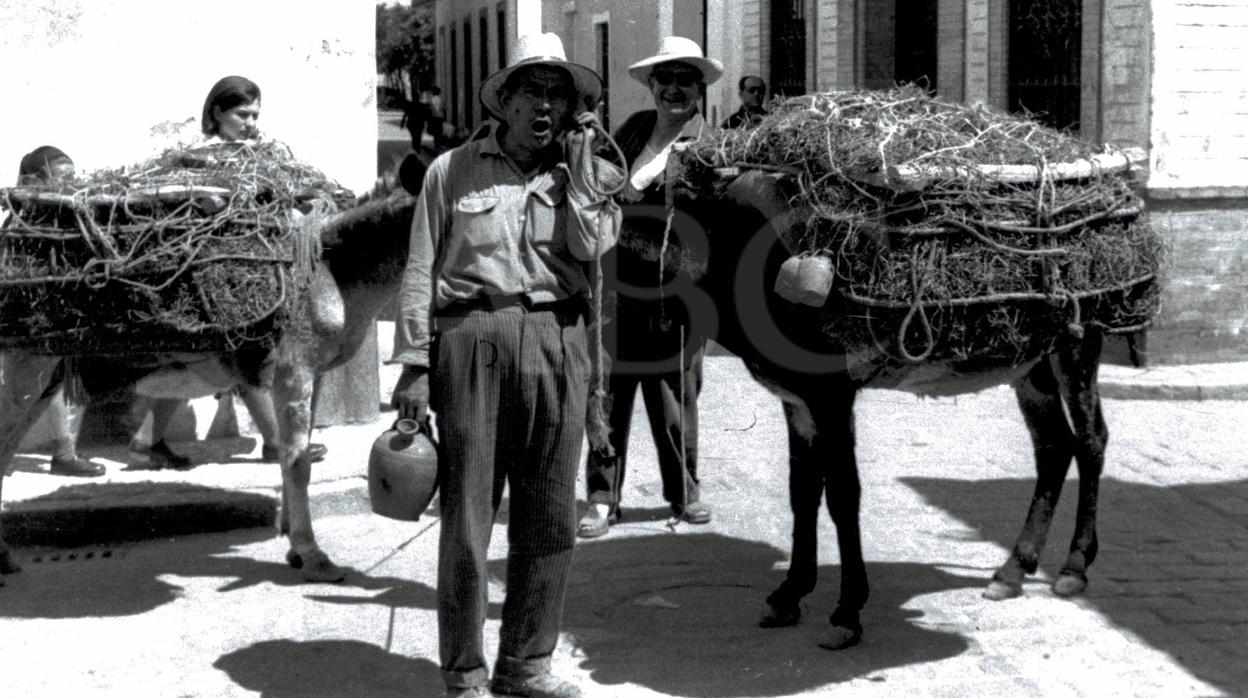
814 280
788 281
402 471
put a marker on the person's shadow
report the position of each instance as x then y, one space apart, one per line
294 669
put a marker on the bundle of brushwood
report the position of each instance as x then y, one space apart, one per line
952 232
198 249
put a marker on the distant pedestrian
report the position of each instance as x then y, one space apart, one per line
752 91
415 119
436 111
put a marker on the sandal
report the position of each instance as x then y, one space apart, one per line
594 525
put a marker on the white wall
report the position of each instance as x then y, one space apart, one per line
111 82
1200 94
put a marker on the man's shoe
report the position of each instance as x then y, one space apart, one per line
161 456
693 512
272 453
76 467
470 692
543 685
594 525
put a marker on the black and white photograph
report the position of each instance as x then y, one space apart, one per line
624 348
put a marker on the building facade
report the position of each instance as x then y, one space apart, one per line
1170 76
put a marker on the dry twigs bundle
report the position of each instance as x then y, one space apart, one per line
198 249
955 231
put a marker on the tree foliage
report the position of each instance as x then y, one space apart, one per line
405 43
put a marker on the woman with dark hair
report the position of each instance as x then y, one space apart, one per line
230 113
231 109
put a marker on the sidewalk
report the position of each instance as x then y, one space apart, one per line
654 610
230 488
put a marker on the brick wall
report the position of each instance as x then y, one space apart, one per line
951 49
1126 49
1200 86
1205 313
827 44
975 71
752 38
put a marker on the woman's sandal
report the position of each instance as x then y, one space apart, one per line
594 525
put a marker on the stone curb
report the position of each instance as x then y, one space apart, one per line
1227 381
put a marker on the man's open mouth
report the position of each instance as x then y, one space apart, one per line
541 125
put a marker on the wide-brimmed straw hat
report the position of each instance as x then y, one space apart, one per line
677 49
541 49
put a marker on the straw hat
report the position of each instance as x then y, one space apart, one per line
677 48
541 49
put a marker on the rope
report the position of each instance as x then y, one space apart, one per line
597 428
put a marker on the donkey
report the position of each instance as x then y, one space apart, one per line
786 350
365 249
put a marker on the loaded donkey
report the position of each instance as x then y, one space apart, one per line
752 231
365 248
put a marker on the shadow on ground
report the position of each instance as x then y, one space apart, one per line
294 669
1173 562
130 511
123 580
678 614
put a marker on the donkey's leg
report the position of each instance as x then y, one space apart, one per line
27 382
1077 377
1053 444
835 451
292 397
805 489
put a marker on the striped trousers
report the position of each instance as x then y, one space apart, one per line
509 388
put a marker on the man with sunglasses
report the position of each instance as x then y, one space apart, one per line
651 342
752 91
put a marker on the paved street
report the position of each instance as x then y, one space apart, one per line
653 611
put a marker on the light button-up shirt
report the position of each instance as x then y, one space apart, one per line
481 228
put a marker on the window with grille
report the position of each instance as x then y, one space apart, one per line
788 47
470 97
603 33
1045 59
454 83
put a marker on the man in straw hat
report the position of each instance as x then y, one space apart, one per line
491 335
655 342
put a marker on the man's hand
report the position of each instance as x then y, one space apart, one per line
411 394
584 130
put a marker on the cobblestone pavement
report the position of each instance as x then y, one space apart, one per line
659 611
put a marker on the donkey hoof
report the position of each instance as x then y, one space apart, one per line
8 565
294 559
780 616
1000 591
1070 585
839 637
318 568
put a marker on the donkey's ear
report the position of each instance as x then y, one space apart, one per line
412 174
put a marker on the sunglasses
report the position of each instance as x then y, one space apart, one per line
681 79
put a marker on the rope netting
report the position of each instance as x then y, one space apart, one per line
205 248
954 231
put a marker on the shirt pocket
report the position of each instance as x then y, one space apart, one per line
474 216
546 218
